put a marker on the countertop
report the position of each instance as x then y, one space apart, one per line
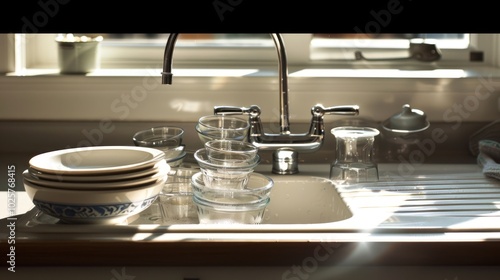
421 239
423 242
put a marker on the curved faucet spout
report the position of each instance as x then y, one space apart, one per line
167 74
283 83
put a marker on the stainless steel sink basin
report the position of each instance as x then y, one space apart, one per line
303 199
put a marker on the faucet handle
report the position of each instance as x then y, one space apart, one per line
253 110
319 110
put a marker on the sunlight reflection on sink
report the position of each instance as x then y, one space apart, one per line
299 199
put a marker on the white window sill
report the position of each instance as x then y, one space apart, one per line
299 72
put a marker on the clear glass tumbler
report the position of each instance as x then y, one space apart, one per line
354 160
176 204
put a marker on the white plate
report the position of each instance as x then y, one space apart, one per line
161 173
96 160
127 175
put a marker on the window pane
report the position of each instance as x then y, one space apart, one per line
389 35
185 39
455 40
344 46
191 49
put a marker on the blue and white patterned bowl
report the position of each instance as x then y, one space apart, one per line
109 206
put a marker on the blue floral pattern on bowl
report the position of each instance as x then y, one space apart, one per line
93 213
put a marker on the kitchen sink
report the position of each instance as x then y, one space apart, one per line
303 199
296 201
437 197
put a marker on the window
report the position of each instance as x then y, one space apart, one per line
146 50
385 46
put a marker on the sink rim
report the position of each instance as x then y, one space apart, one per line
361 222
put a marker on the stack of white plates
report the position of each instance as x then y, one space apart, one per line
100 184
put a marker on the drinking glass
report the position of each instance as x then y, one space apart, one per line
354 155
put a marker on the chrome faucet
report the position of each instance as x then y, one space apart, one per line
285 144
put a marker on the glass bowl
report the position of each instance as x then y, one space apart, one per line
223 175
230 152
176 161
257 189
222 127
226 213
160 137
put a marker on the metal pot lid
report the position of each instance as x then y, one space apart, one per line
407 121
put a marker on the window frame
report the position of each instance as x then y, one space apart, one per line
41 52
7 53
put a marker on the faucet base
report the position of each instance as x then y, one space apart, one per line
285 161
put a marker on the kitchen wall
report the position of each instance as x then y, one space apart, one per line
92 105
144 98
